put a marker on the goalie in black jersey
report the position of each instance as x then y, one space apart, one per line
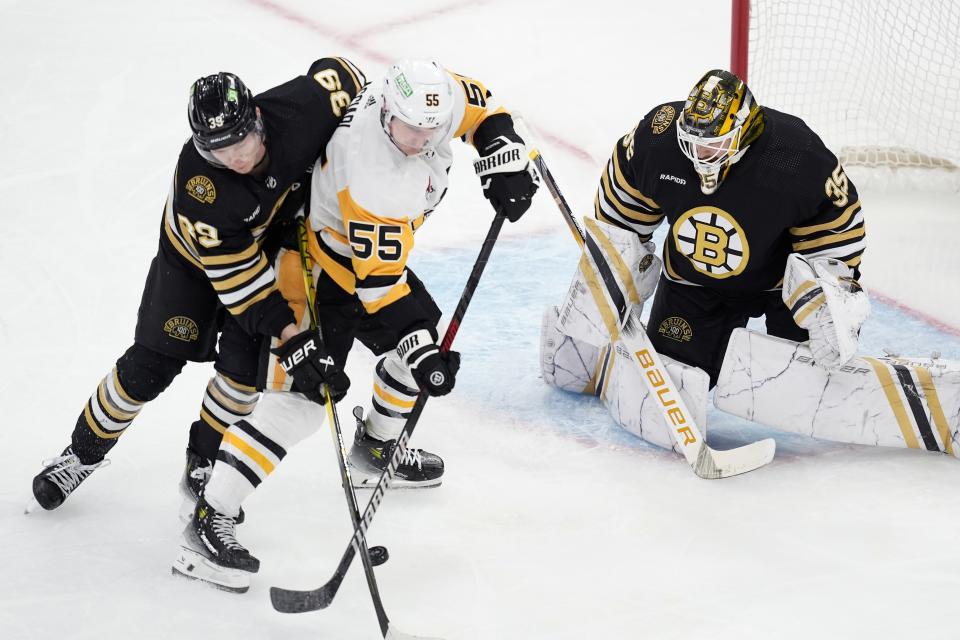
239 178
762 221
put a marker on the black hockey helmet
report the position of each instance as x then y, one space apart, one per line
221 112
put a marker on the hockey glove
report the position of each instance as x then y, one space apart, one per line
434 372
829 304
304 358
508 180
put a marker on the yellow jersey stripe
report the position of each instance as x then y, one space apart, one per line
839 221
243 256
831 239
625 186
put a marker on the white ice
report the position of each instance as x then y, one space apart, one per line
551 522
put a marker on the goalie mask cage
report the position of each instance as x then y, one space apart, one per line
878 80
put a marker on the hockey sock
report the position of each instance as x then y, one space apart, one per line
224 403
253 447
394 394
109 411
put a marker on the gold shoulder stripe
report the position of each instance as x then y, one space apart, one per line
839 221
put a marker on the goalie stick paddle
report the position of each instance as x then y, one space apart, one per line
294 601
706 462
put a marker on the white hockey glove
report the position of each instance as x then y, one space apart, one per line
827 302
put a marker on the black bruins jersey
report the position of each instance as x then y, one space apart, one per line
787 194
216 220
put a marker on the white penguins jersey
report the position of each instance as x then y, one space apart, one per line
367 197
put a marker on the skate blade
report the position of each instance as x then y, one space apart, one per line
192 565
361 480
32 506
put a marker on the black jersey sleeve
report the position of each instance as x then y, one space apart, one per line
620 198
834 227
204 223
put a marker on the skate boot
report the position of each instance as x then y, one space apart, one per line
209 551
196 473
369 457
59 478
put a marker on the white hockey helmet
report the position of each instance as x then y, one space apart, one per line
417 105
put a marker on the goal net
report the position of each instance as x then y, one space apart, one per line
878 80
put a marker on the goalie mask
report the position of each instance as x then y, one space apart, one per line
720 120
417 106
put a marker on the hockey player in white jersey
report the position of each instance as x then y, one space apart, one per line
382 174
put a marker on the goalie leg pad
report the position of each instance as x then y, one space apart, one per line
892 402
615 270
574 365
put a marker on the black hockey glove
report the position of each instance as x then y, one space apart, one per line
435 372
304 359
508 180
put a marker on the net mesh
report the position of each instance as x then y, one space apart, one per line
878 80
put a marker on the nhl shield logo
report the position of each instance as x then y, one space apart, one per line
181 328
676 328
201 188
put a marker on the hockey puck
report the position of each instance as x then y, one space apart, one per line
378 555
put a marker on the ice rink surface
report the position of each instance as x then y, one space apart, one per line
552 523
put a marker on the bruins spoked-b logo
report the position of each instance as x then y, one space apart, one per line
181 328
676 328
662 119
712 241
201 188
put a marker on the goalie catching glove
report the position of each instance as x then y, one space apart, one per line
304 358
509 181
435 372
827 302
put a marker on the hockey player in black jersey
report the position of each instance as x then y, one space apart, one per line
761 215
240 177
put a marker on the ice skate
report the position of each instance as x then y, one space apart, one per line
209 552
368 457
59 478
196 473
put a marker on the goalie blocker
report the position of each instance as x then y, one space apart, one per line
890 401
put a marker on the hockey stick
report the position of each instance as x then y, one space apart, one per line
706 462
360 541
292 601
